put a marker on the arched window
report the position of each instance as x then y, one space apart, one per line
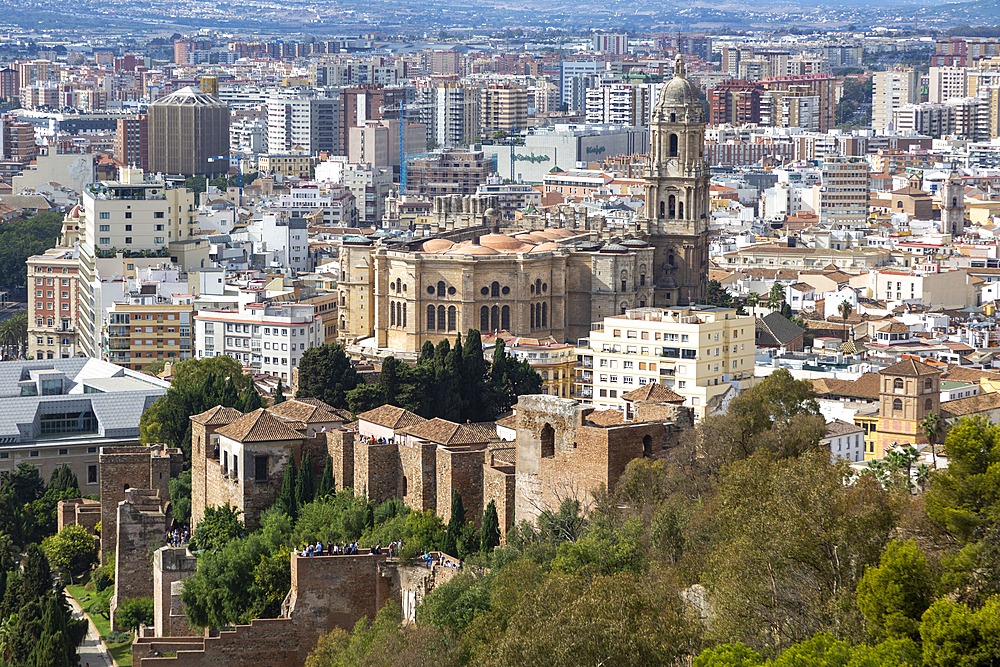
404 314
440 290
642 280
680 209
928 383
532 316
670 259
545 315
673 118
495 289
547 440
624 307
624 281
897 383
673 145
663 208
452 318
928 405
647 446
399 285
392 314
430 318
897 405
484 319
671 206
954 204
494 319
442 313
505 318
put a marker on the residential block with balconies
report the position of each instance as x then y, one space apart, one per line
703 353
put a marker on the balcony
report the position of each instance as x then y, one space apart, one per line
667 371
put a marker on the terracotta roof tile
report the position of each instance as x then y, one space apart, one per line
309 410
910 368
610 417
260 426
390 416
653 393
840 427
216 416
444 432
970 405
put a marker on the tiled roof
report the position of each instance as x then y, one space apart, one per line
963 374
840 427
653 393
610 417
910 368
510 421
444 432
866 386
780 328
895 327
390 416
259 426
970 405
309 410
216 416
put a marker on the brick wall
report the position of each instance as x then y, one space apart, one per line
79 512
141 526
376 472
121 468
263 643
170 565
460 470
498 486
417 462
340 447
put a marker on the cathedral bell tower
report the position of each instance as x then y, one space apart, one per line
677 193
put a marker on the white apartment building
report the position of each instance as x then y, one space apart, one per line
846 441
891 90
704 353
311 124
842 196
622 103
268 338
783 199
946 83
370 186
336 203
284 239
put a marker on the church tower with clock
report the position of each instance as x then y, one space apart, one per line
677 194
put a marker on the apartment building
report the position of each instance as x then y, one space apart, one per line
821 86
146 328
308 124
842 198
891 90
555 362
270 339
370 186
736 102
448 172
502 108
293 164
945 83
622 103
53 293
703 353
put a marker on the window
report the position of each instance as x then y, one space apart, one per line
928 405
105 215
928 384
63 452
897 383
548 441
91 473
104 240
897 405
158 214
104 228
128 215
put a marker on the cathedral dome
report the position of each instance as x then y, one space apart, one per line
503 243
437 245
680 94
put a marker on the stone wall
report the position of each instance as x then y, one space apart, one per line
418 466
498 486
263 643
376 472
79 512
340 447
460 470
141 526
170 565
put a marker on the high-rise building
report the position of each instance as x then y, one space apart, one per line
622 103
370 185
309 124
34 71
945 83
677 193
822 86
377 142
53 285
572 92
502 108
188 134
450 111
448 173
146 327
17 140
842 196
736 102
891 90
9 82
611 43
132 141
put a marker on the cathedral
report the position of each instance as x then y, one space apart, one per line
677 194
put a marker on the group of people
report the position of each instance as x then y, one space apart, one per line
349 549
442 561
178 537
366 440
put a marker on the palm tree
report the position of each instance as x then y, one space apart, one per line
776 296
931 425
845 309
923 475
753 299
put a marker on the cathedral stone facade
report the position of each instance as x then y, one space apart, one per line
677 193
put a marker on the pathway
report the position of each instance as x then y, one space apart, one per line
92 651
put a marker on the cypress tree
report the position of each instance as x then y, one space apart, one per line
426 353
286 497
489 537
304 489
279 393
455 524
326 483
250 400
474 378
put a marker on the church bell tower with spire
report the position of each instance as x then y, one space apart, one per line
677 193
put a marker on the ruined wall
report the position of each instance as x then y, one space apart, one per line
79 512
418 484
535 414
263 643
141 526
376 471
170 565
460 470
121 468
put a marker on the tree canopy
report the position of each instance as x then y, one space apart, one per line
21 239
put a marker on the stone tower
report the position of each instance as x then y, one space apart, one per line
908 391
953 205
677 193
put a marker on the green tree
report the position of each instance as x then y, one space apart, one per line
776 296
455 524
279 393
365 397
180 497
490 534
509 379
717 295
821 650
930 426
845 309
304 489
327 484
14 336
326 373
895 594
134 612
19 240
286 496
728 655
953 635
219 526
72 550
26 482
